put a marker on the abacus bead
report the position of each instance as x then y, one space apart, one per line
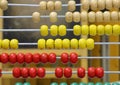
28 58
63 83
116 4
90 44
93 29
58 43
54 83
54 30
71 5
44 58
0 72
98 83
108 29
85 5
81 72
91 17
4 58
66 43
44 30
82 43
14 43
25 72
109 4
81 83
32 72
5 44
4 4
114 16
36 58
116 29
73 57
91 72
93 4
52 57
58 5
101 4
64 57
50 43
99 16
50 5
100 29
106 16
18 83
90 83
43 5
20 58
68 17
36 17
0 43
77 30
26 83
74 83
62 30
41 72
99 72
115 84
85 29
41 43
106 83
74 43
68 72
16 72
59 72
12 58
76 17
53 17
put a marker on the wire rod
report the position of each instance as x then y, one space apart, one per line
35 5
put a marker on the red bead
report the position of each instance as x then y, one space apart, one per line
36 58
91 72
58 72
13 58
68 72
0 72
41 72
16 72
52 57
25 72
81 72
64 57
20 58
32 72
28 57
99 72
73 57
4 58
44 58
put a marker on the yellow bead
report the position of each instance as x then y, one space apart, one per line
77 30
93 30
108 29
0 43
50 43
90 44
41 43
116 29
5 44
62 30
66 43
44 30
82 43
14 43
74 43
58 44
100 29
85 29
54 30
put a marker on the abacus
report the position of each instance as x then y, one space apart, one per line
61 42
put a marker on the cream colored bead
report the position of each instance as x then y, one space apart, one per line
53 17
114 16
100 29
58 5
36 17
82 43
84 16
43 5
71 5
4 4
116 29
66 43
101 4
76 16
58 44
108 29
91 17
50 5
93 30
68 17
116 4
90 44
109 4
99 16
74 43
50 43
106 16
85 5
93 4
85 30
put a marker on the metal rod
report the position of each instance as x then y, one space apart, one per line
35 5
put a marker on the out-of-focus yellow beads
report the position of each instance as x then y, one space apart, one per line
41 43
77 30
44 30
14 43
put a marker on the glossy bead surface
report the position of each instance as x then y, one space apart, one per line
90 83
64 57
13 58
63 83
28 58
81 72
32 72
73 57
20 58
58 72
36 58
44 58
25 72
52 57
0 72
14 44
54 83
26 83
91 72
67 72
106 83
41 72
4 58
98 83
18 83
82 83
16 72
74 83
99 72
